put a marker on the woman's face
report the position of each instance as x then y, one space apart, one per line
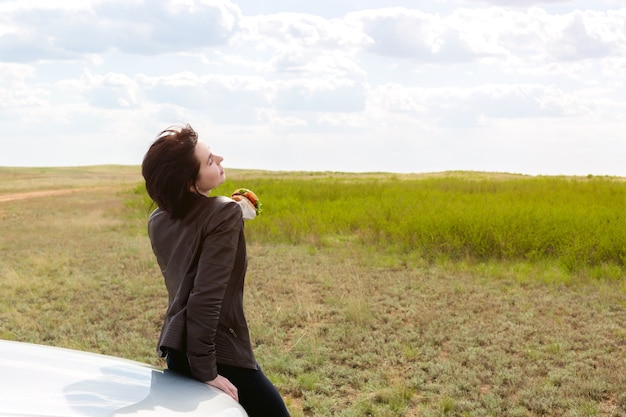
211 173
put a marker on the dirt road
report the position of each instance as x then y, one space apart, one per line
44 193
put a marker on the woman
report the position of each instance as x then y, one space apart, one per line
200 247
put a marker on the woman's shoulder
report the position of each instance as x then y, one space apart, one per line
222 200
220 207
219 202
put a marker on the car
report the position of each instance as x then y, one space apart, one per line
46 381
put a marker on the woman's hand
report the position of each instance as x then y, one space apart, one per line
248 210
244 194
225 385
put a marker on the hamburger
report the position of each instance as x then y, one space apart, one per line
242 193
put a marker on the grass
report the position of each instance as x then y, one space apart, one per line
345 321
578 223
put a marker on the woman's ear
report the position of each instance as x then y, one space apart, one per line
193 187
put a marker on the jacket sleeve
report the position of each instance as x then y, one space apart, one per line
215 265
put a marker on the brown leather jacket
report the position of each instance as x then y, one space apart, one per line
203 260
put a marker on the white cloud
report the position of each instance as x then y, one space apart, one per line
137 27
577 38
111 90
413 34
382 85
320 96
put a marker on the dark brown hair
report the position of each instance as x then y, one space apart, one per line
170 168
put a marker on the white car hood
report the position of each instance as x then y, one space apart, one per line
38 380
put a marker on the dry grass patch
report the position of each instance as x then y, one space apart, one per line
353 339
343 328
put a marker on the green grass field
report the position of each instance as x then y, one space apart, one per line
452 294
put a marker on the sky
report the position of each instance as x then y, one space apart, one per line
534 87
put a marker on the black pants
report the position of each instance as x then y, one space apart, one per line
257 395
